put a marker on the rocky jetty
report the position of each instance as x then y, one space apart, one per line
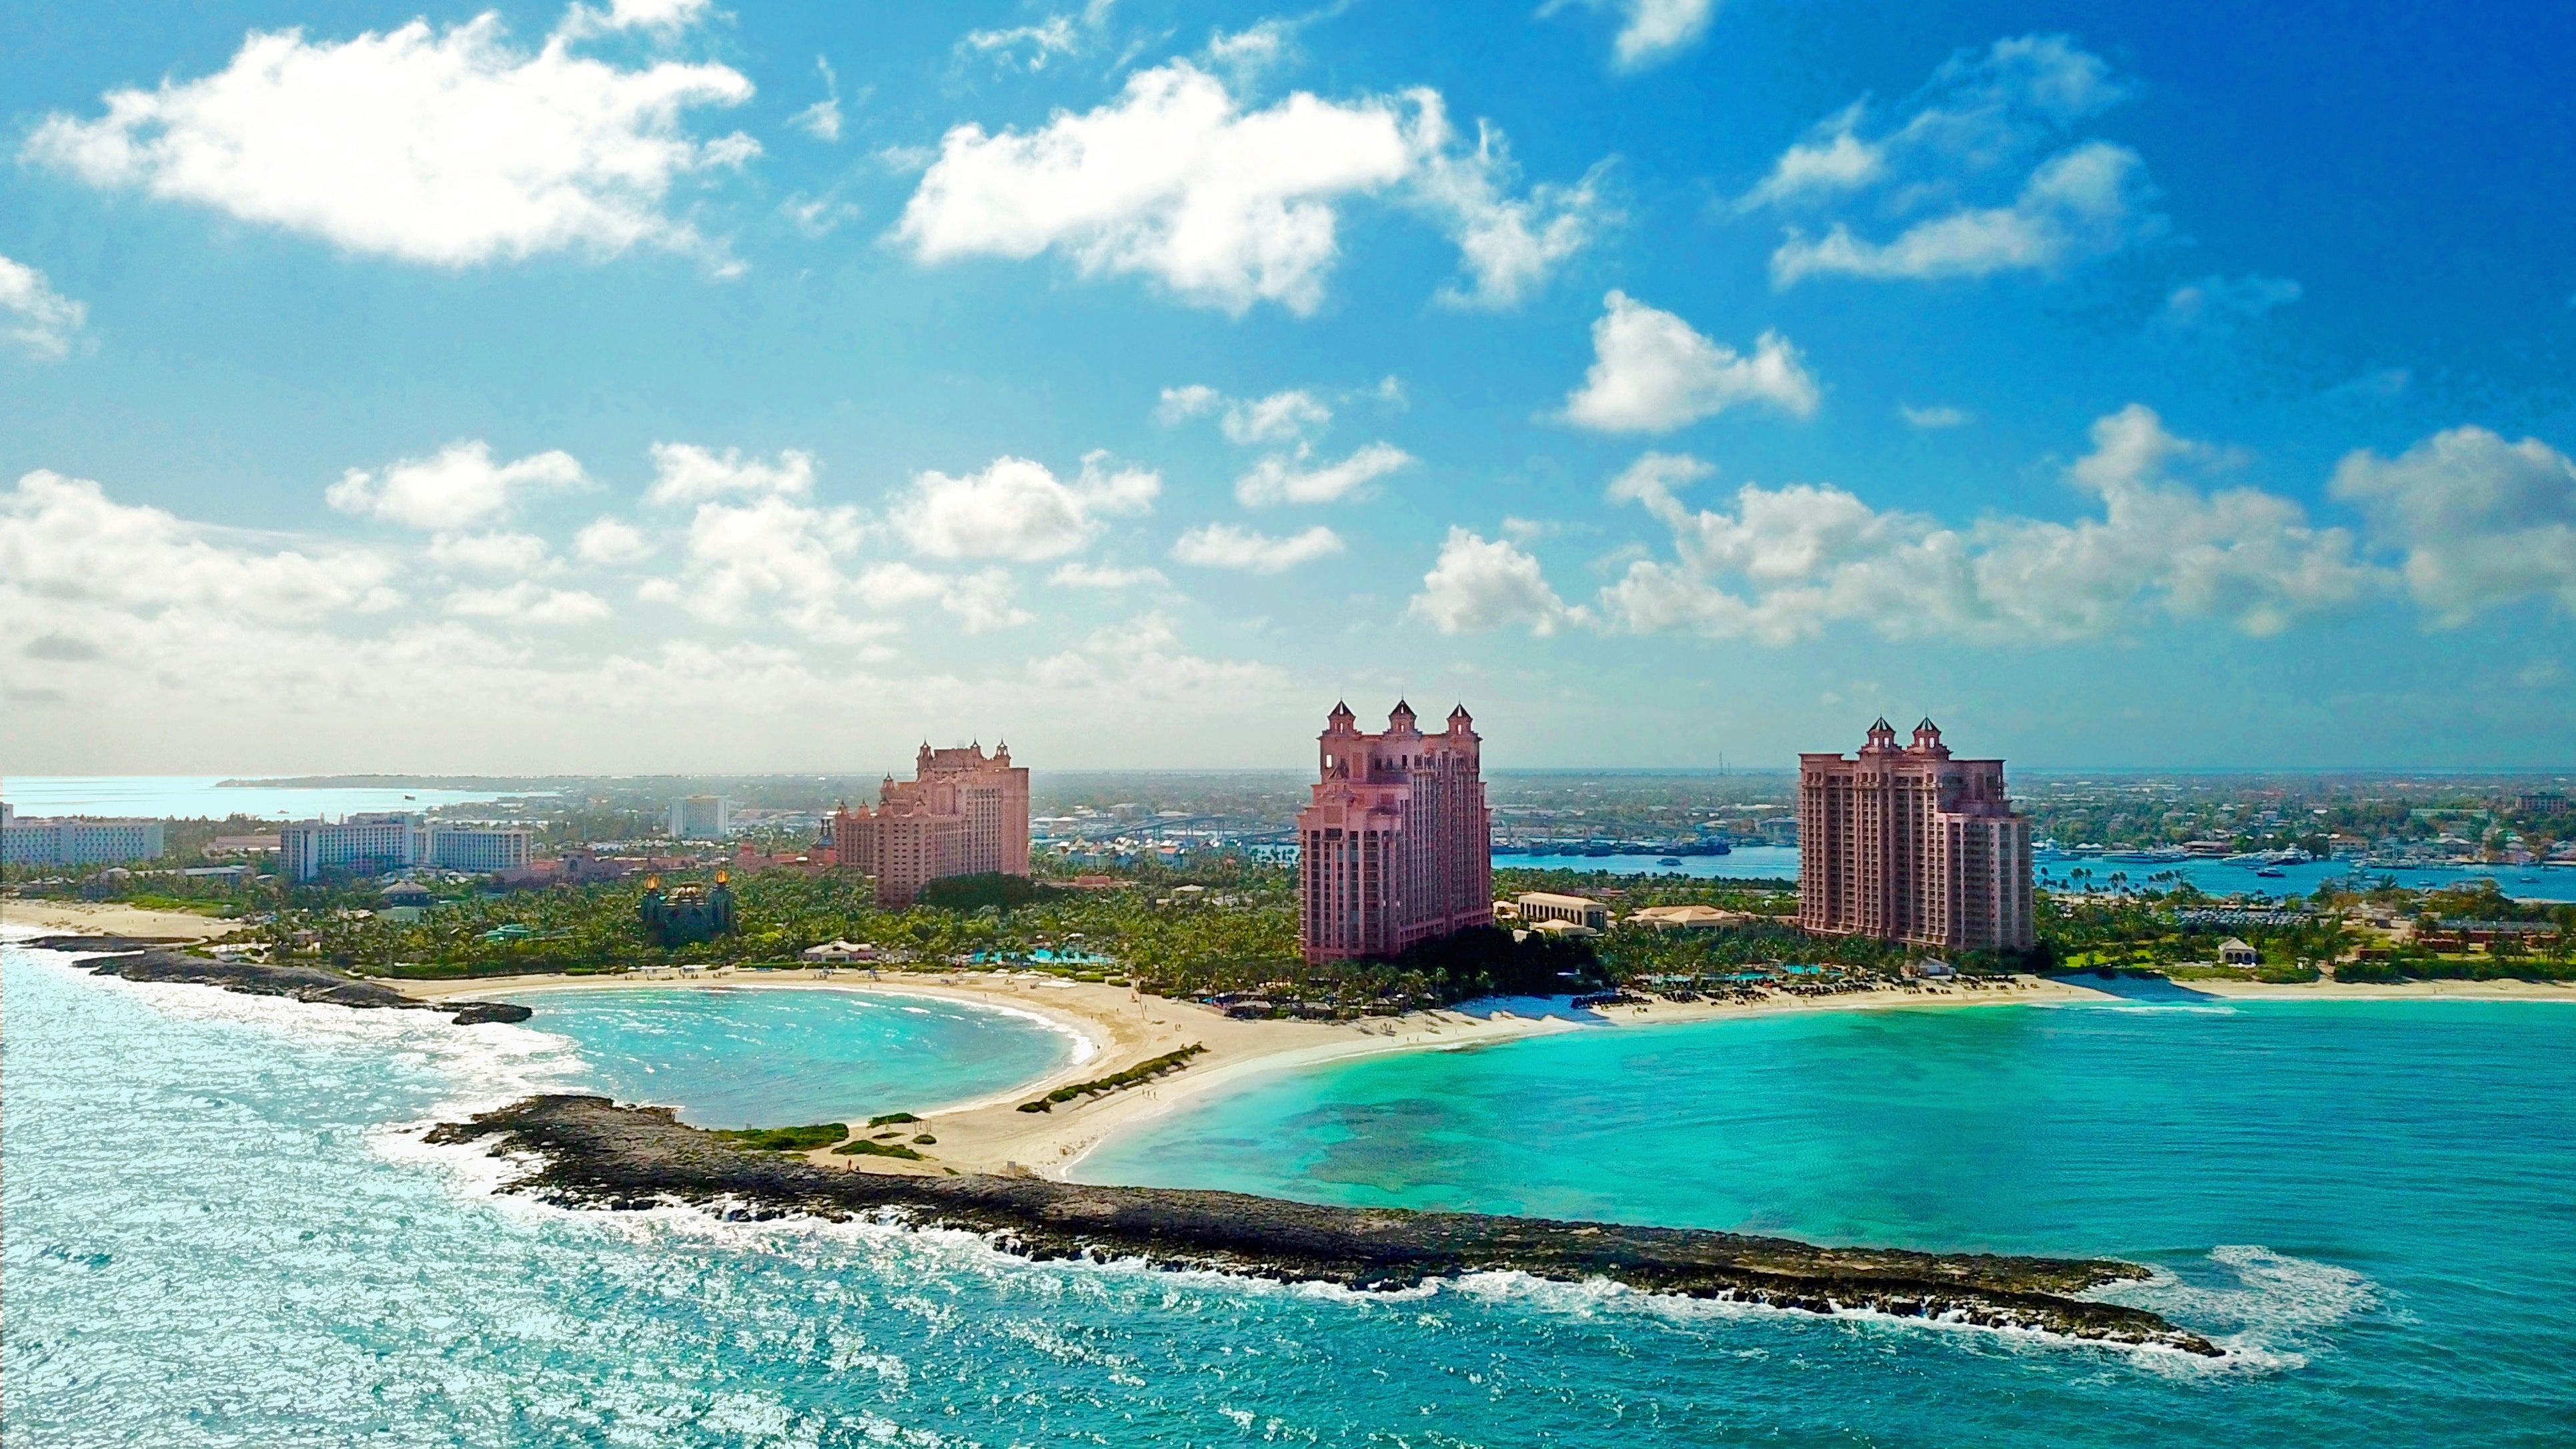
139 960
597 1154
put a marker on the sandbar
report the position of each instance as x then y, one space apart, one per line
112 918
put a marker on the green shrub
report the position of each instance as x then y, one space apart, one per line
1144 1071
865 1148
892 1117
786 1139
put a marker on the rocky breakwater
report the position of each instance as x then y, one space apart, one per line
143 960
596 1154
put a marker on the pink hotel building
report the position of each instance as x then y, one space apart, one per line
962 813
1907 844
1396 845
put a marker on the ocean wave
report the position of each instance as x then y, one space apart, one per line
485 1066
2268 1310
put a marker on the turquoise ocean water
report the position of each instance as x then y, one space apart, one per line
220 1229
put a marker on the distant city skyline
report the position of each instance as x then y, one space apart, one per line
647 385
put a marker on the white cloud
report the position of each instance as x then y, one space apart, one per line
1285 478
981 601
1832 160
1650 31
1180 404
1175 181
70 554
1977 124
822 120
1032 47
687 473
818 216
490 553
2219 305
2085 203
1291 415
1096 576
448 148
1142 659
527 603
2483 522
292 653
1939 415
661 15
1278 418
1016 509
611 541
1479 584
459 487
1509 245
1029 47
772 548
1652 372
34 317
1172 181
1224 546
1783 564
1245 54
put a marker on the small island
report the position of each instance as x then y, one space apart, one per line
600 1155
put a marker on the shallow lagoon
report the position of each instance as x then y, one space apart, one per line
776 1056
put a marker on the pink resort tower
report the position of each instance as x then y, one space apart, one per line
1907 844
962 813
1396 845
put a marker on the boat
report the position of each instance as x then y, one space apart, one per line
1676 860
2272 871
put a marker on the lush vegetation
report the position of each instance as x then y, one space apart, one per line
974 892
1144 1071
785 1139
2411 965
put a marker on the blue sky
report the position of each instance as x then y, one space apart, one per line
662 385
